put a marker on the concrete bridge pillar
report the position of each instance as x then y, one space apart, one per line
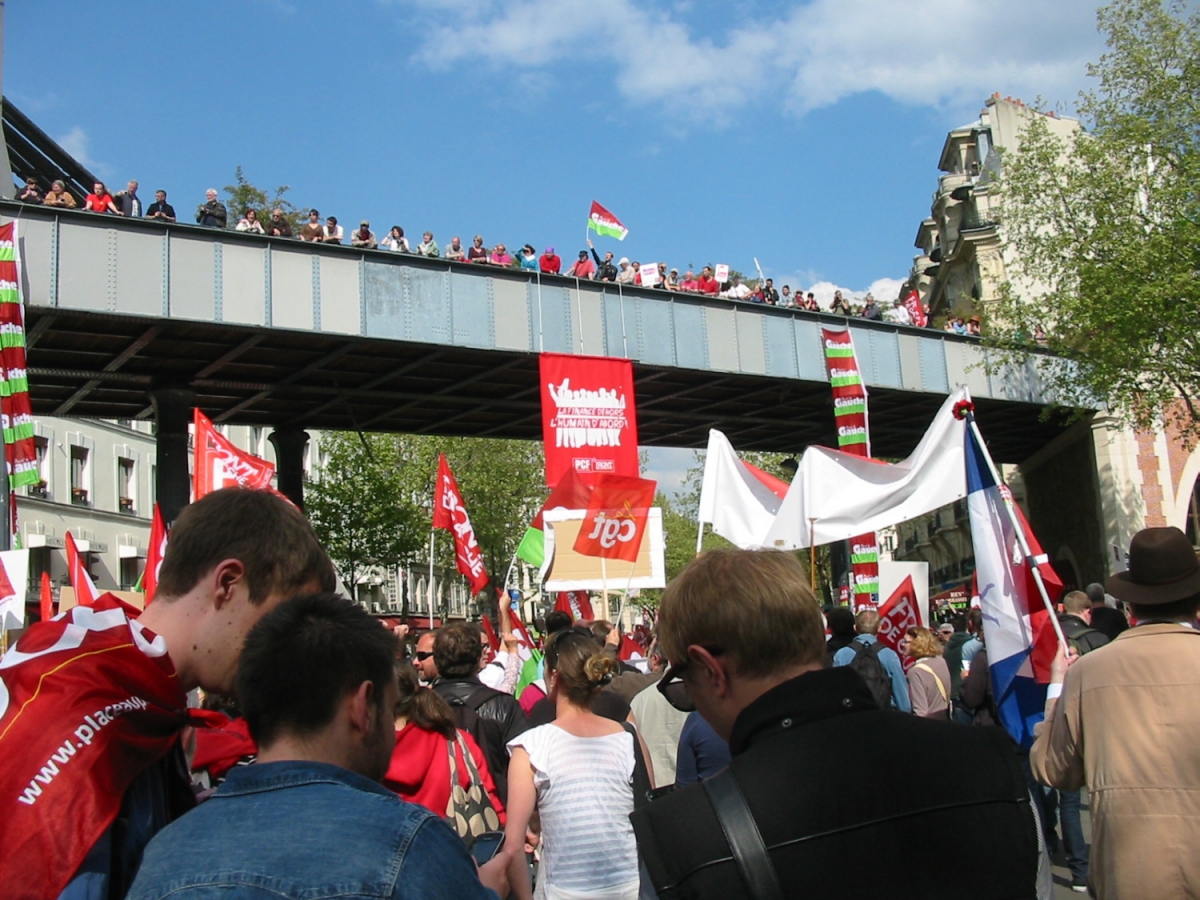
172 415
289 444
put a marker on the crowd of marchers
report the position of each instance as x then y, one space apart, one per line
589 264
755 752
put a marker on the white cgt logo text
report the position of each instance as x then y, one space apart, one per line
609 531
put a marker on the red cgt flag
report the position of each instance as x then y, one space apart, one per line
450 513
616 517
154 555
220 464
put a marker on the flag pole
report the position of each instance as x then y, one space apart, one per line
699 538
812 555
508 574
432 532
1020 532
604 582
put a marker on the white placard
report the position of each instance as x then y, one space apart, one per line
649 273
566 570
721 273
12 607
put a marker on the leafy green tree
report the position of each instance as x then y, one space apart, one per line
1109 222
243 196
361 507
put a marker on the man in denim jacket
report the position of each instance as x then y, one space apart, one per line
316 683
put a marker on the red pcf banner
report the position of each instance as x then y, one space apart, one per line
616 517
450 513
220 464
897 615
589 419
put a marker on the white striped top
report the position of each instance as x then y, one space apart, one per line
585 796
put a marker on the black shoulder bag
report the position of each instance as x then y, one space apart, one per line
742 835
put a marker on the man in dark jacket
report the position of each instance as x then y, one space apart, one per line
457 651
743 634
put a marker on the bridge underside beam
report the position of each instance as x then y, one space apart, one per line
309 380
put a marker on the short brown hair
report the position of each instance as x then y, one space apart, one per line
922 643
456 649
1076 602
260 529
754 605
423 706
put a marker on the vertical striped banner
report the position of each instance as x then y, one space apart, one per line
16 414
850 416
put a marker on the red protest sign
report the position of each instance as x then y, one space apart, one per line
589 421
450 513
616 517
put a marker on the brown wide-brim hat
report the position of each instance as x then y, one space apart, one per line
1163 568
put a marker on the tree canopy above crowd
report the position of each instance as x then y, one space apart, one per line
1109 222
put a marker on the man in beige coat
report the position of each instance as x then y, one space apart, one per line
1125 721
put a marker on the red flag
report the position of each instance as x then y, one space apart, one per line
220 464
897 615
46 598
776 486
154 555
450 513
490 632
589 421
576 604
1045 639
912 302
616 517
81 581
629 648
570 493
88 702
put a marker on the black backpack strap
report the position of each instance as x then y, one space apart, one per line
641 773
742 835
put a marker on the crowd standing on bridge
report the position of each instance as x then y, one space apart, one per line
589 265
252 733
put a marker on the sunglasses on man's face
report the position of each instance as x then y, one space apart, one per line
423 655
673 687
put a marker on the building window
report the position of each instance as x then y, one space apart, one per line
130 572
79 472
126 486
41 446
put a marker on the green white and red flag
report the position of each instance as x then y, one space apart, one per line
15 409
850 417
601 221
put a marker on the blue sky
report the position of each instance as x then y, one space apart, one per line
803 134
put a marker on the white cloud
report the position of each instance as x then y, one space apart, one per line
76 142
945 53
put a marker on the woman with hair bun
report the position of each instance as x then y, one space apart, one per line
578 773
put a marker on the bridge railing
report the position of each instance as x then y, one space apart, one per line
107 264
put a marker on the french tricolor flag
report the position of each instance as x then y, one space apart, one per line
1018 631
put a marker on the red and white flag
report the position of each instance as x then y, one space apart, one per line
900 613
220 464
739 500
81 581
88 701
489 632
616 517
589 420
576 604
154 555
912 302
601 221
450 513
